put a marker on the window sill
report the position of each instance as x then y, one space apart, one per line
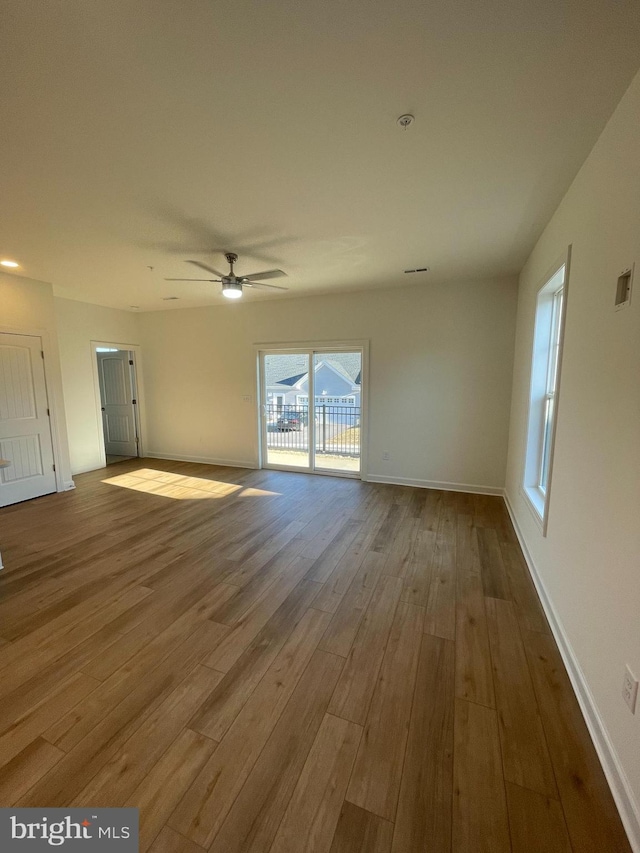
536 504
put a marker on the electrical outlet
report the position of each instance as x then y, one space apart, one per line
246 398
386 456
630 689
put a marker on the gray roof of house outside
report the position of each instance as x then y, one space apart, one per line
291 380
288 369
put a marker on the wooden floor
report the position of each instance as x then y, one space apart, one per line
264 661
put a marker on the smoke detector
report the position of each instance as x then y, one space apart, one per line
406 121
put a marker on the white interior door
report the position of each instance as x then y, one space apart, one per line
25 429
116 396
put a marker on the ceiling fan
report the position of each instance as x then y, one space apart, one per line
231 283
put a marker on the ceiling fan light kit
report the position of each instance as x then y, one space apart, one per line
231 289
231 283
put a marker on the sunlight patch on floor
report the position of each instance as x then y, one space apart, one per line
257 493
179 487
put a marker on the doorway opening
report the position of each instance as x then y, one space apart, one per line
118 399
311 417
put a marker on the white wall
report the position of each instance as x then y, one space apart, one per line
26 306
440 369
78 324
589 562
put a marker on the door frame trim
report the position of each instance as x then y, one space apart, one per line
50 381
135 349
361 344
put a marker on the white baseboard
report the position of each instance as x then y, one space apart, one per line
436 484
205 460
613 770
86 469
69 485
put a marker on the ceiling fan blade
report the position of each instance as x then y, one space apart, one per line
258 276
193 279
207 268
258 284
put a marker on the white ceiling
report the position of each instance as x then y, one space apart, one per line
139 134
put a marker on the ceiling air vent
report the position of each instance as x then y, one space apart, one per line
419 269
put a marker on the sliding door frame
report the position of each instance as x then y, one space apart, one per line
311 348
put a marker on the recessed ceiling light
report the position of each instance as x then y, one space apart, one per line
12 264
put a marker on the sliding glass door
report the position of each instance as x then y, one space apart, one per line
311 413
285 420
337 380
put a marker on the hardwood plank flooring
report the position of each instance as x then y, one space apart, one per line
170 841
259 808
343 628
474 679
122 775
26 768
90 753
375 781
441 600
480 823
524 748
355 688
206 804
273 662
163 787
537 822
359 831
580 778
494 573
314 808
225 703
423 818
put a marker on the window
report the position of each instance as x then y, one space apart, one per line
303 400
543 405
550 391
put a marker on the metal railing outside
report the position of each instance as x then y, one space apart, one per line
337 428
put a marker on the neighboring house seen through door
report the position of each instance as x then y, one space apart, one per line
25 428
